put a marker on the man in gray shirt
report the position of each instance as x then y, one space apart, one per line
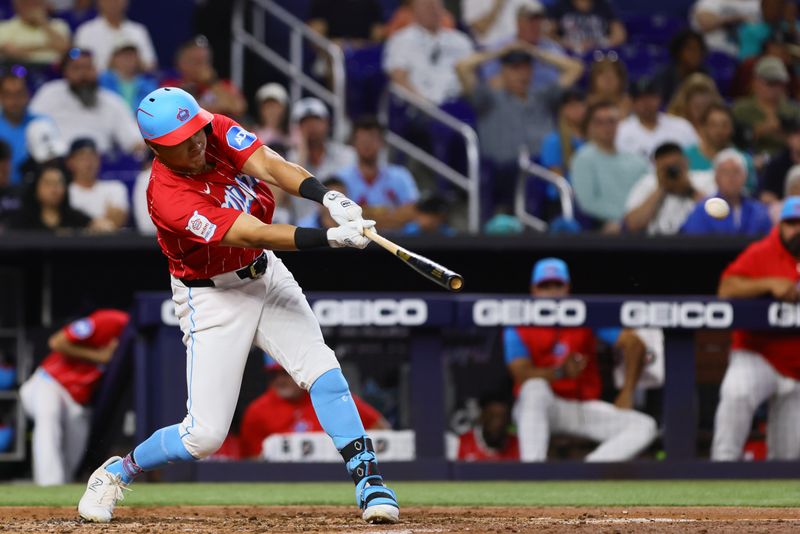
513 115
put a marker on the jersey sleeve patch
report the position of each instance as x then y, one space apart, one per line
81 329
239 139
200 226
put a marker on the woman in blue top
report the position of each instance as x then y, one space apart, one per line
559 145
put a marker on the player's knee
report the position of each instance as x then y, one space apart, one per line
738 392
645 426
202 443
535 391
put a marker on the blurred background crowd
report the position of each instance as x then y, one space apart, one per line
644 115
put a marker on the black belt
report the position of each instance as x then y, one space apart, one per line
254 270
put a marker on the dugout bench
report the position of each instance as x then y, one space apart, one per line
160 378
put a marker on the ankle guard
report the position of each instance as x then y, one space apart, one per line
362 464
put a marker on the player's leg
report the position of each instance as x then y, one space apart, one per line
42 401
219 327
77 423
290 333
749 380
621 434
533 415
783 432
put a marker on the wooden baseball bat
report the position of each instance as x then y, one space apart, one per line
443 276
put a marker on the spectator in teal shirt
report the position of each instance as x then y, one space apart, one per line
716 133
747 215
778 22
601 176
126 77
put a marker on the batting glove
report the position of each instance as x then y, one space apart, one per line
342 209
350 234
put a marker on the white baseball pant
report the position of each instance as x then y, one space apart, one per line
220 324
61 428
622 434
749 381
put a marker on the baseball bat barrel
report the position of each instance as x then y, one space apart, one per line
431 270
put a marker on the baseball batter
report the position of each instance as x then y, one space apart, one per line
209 199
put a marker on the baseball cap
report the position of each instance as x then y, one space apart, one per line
309 107
530 8
516 57
790 209
644 86
44 141
272 91
81 143
550 269
771 69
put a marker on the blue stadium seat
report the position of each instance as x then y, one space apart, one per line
365 80
655 28
723 69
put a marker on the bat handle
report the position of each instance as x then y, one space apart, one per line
382 241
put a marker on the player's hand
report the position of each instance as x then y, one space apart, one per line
350 234
341 208
785 290
574 365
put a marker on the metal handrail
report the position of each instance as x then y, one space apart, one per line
293 68
469 182
530 169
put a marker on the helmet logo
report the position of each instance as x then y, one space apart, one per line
183 114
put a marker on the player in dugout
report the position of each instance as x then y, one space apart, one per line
558 384
763 365
58 394
286 407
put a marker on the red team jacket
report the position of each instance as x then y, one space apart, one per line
80 377
270 414
768 257
472 448
192 212
547 347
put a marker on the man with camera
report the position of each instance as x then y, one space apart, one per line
659 203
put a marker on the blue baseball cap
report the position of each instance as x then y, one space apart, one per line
791 208
550 269
169 115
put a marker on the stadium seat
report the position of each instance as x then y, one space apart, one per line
657 28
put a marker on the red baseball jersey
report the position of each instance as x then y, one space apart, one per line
192 213
547 347
473 448
81 377
270 414
768 257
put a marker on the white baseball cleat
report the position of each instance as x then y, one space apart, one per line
102 493
381 513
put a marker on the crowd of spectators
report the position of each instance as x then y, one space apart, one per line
639 140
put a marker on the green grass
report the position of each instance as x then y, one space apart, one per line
606 493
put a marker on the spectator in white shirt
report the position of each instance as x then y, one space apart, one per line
648 128
315 151
660 202
422 57
141 213
99 199
491 21
80 108
110 28
719 20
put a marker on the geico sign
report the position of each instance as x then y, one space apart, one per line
676 314
377 312
536 312
783 314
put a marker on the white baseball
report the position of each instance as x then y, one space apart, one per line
717 208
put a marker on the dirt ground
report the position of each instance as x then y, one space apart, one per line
233 520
